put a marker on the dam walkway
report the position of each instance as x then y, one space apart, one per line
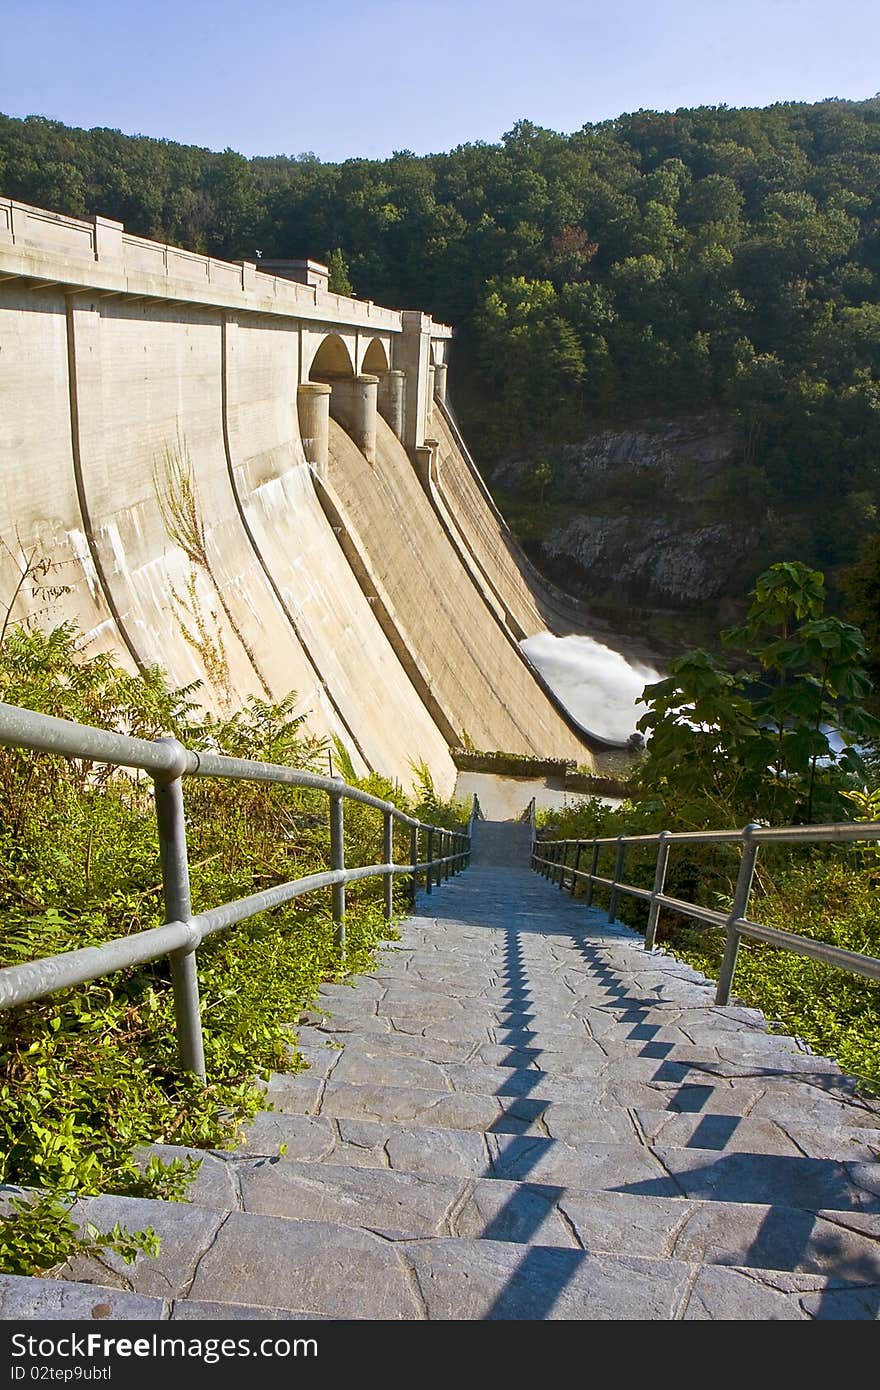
520 1115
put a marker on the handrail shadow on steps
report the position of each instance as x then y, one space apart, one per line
553 863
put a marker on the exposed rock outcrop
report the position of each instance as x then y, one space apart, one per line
654 515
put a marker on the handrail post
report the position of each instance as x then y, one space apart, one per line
618 875
447 839
414 859
429 872
594 864
659 882
739 909
563 864
337 861
388 857
178 908
575 866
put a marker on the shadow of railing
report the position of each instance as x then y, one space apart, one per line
788 1186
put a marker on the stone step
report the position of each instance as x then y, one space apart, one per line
679 1124
233 1259
557 1141
680 1116
814 1102
397 1202
353 1082
520 1115
26 1299
508 1114
440 1062
755 1134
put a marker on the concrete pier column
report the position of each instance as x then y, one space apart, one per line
353 403
440 382
425 457
392 400
413 355
313 408
429 403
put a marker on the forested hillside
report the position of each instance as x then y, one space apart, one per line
654 266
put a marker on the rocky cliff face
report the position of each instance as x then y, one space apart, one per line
648 515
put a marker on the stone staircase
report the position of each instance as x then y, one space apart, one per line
521 1115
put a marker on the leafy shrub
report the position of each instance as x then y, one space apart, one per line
91 1072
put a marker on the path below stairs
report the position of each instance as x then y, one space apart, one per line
521 1115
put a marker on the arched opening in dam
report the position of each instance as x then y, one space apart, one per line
375 358
331 361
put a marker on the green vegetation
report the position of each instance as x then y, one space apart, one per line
731 747
338 281
652 265
90 1073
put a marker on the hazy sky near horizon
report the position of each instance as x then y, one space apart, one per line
366 77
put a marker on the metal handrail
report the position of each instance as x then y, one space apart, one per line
528 816
168 762
553 864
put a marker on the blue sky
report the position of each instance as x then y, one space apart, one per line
362 79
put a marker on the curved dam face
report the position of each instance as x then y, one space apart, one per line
160 494
489 550
486 691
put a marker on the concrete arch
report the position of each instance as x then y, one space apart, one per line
332 359
375 358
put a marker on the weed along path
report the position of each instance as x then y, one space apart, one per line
520 1115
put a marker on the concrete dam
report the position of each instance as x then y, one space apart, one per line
226 470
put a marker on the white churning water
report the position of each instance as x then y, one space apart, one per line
597 685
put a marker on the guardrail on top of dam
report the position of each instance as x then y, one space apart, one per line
98 252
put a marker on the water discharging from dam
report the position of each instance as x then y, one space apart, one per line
596 684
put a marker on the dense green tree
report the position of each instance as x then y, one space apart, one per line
339 281
727 746
651 264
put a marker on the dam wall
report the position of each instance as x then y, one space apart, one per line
481 681
497 561
482 534
160 493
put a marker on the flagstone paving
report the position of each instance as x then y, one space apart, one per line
521 1115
